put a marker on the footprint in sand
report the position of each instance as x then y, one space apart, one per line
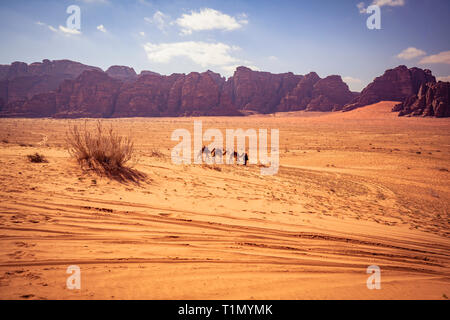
24 244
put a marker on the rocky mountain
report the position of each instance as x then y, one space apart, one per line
301 95
120 92
92 94
153 95
433 99
260 91
394 85
20 81
315 94
69 89
329 94
123 73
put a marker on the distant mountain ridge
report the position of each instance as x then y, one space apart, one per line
394 85
67 89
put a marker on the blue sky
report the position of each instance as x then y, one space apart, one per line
326 36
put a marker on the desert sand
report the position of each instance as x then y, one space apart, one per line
354 189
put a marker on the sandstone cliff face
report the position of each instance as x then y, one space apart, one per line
21 81
41 105
28 90
148 73
260 91
146 97
315 94
3 94
301 95
394 85
195 94
123 73
200 93
206 94
433 99
92 94
4 71
153 95
329 94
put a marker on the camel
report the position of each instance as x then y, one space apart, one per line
205 151
237 156
218 152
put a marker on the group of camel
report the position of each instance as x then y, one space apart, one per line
217 153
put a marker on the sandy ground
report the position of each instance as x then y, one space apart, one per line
354 189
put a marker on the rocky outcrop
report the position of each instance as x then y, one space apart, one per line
3 93
330 94
301 95
146 97
394 85
92 94
51 88
154 95
21 81
41 105
46 67
4 71
433 99
123 73
148 73
201 95
260 91
115 93
315 94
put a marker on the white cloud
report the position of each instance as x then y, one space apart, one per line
69 31
53 29
442 57
445 79
411 53
95 1
160 19
389 3
101 28
142 34
144 2
209 19
351 80
61 29
361 7
207 55
381 3
273 58
354 84
202 53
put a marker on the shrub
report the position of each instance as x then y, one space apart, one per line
154 153
37 158
101 150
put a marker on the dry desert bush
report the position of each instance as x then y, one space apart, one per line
155 153
37 158
102 150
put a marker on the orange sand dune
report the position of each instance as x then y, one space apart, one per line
354 189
